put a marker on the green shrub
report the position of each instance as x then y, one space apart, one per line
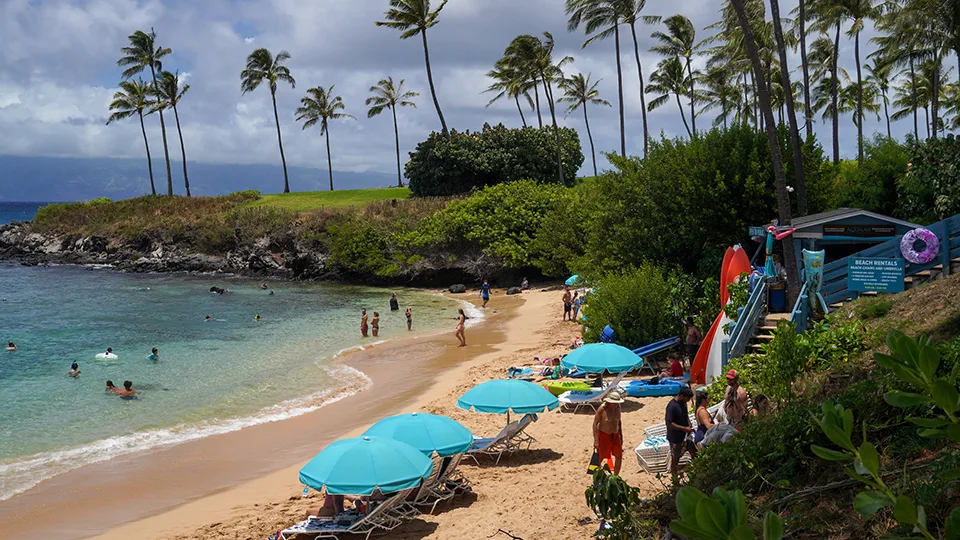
930 189
444 165
739 296
873 185
873 308
831 342
357 247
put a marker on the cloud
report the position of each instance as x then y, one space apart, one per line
58 72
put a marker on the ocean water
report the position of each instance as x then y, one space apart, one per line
212 377
18 211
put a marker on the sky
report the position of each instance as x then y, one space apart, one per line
58 72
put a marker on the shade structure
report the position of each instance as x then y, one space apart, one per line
426 432
508 395
572 280
362 465
600 357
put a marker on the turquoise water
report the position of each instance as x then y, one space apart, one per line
18 211
212 377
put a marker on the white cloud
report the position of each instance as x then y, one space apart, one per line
249 40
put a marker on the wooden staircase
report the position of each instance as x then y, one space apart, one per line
765 330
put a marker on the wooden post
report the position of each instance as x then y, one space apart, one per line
943 234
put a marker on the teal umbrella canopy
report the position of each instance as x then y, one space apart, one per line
572 280
508 395
600 357
362 465
427 433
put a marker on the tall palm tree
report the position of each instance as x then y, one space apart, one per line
263 66
719 92
601 19
801 22
787 88
879 75
530 54
132 99
631 16
579 92
680 41
859 12
857 99
900 46
169 92
413 17
387 95
776 158
829 16
510 82
142 53
318 107
669 78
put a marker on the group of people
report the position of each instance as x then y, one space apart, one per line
368 326
127 392
571 304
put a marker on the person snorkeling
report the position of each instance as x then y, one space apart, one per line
11 346
74 370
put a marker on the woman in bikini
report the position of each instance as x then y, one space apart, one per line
363 322
375 323
704 420
461 321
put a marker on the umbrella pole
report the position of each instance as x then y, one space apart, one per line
508 417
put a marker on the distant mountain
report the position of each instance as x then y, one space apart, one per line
79 179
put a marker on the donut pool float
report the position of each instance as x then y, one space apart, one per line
919 246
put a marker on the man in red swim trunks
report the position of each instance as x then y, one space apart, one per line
608 431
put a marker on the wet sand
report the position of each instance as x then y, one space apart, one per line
97 498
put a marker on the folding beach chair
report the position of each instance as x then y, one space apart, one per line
351 522
587 398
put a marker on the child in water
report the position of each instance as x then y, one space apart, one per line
375 323
153 356
74 370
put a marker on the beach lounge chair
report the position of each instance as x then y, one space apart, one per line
587 398
511 439
351 522
660 429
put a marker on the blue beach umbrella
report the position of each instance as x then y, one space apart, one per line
600 357
572 280
427 433
508 395
362 465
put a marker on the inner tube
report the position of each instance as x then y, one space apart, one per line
919 246
105 355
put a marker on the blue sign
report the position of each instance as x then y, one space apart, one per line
757 231
877 275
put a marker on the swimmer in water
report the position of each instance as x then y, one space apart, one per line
11 346
109 352
111 388
128 391
257 318
207 318
264 286
153 355
74 370
271 293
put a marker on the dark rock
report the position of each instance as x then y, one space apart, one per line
459 288
514 290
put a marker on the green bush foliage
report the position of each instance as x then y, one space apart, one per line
930 189
873 308
873 185
463 161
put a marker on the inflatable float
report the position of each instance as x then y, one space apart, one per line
665 387
557 387
106 356
709 361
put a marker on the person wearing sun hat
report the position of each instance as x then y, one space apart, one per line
608 431
735 398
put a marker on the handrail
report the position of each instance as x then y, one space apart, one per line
736 344
800 316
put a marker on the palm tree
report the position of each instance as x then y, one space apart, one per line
263 66
855 98
828 16
169 92
860 12
801 22
143 52
413 17
132 99
510 82
602 18
787 88
680 41
879 75
776 158
319 106
579 92
719 91
631 15
387 95
669 78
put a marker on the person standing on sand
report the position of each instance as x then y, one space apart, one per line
692 340
608 431
525 285
678 427
409 315
461 324
485 293
375 323
567 303
394 304
576 305
363 322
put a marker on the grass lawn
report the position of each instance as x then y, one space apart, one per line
310 200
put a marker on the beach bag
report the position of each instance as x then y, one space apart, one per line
594 463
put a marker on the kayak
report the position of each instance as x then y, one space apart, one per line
558 387
640 388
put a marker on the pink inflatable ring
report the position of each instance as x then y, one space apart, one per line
919 246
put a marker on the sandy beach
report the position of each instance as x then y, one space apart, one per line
245 484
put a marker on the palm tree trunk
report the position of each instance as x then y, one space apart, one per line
548 92
683 116
163 133
396 136
183 151
783 197
623 125
329 162
926 116
643 99
913 92
536 95
143 129
693 110
856 54
593 152
283 159
886 113
834 97
808 117
520 110
935 98
723 110
433 91
797 147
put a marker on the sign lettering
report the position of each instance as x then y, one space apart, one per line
877 275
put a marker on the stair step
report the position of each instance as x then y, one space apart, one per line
763 337
765 329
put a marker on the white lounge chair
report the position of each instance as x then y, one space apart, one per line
660 430
587 398
508 441
351 522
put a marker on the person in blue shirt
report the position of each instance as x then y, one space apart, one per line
485 293
153 355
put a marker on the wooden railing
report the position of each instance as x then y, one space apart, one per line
736 344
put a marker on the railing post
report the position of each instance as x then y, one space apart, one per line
725 353
943 234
